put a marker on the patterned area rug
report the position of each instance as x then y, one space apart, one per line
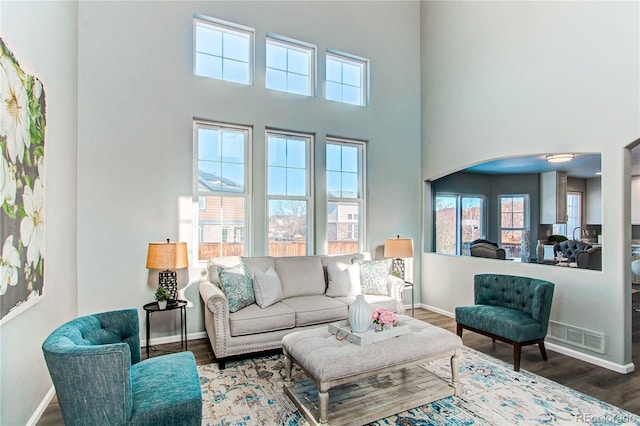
249 392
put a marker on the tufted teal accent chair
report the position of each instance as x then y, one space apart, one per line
94 362
511 309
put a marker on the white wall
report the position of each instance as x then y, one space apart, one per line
138 97
43 38
523 78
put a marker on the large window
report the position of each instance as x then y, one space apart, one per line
514 219
222 176
289 196
223 50
290 66
459 221
345 195
347 78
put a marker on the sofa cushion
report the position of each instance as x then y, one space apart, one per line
261 264
373 276
509 323
225 262
300 275
253 319
267 287
344 279
316 309
237 286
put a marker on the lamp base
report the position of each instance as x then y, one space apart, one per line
168 280
397 268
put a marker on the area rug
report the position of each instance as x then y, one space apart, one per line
249 392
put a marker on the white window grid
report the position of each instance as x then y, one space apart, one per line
358 198
226 60
287 70
308 188
200 194
347 78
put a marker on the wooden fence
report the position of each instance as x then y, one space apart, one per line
276 248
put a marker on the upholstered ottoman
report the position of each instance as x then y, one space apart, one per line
368 382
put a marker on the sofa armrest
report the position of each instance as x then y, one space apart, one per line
216 317
395 287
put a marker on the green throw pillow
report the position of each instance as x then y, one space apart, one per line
237 285
374 276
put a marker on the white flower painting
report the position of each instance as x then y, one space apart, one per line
22 187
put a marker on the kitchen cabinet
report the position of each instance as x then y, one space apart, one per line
594 201
635 200
553 197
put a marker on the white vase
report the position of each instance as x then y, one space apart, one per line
525 247
540 251
360 315
162 304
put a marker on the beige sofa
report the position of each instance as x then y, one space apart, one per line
311 297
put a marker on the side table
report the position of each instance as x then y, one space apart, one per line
408 285
153 307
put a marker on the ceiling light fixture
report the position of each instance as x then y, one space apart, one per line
560 158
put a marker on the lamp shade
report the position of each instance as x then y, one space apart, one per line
167 256
398 248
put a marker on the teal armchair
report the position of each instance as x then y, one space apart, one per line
94 362
511 309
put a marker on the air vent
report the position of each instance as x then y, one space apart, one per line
575 336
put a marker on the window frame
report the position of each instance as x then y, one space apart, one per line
229 28
289 43
460 249
246 195
364 75
526 220
362 190
309 198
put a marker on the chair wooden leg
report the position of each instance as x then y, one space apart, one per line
459 329
517 351
543 351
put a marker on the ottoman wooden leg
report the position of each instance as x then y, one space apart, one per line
323 401
287 366
455 369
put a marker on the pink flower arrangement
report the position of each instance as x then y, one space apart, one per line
383 317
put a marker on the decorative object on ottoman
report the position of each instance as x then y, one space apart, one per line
360 315
95 365
162 295
511 309
167 257
383 319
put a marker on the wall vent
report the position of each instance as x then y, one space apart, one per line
575 336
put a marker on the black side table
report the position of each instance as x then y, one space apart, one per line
153 307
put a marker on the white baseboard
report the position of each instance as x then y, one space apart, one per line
35 417
173 339
618 368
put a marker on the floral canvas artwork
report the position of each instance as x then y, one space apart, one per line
22 213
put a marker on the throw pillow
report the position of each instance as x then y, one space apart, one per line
344 280
237 285
267 287
374 276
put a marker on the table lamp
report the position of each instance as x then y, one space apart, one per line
167 257
398 249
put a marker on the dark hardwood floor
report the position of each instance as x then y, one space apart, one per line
622 390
